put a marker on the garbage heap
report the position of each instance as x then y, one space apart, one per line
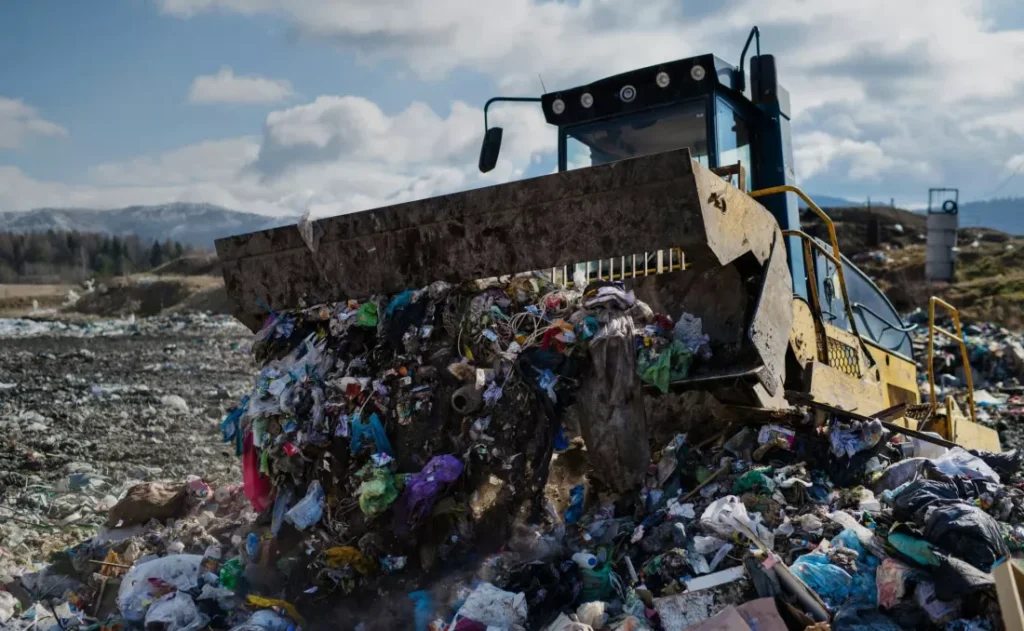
996 357
488 457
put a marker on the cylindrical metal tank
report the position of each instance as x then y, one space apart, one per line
940 261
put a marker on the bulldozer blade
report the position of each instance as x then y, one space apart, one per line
654 202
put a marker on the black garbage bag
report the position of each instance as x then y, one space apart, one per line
955 578
911 504
966 532
1005 464
937 488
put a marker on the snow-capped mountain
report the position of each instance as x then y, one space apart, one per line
193 224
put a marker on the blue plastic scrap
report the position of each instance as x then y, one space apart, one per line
372 430
400 301
575 510
230 427
423 609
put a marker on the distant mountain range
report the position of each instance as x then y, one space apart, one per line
1005 215
200 224
192 224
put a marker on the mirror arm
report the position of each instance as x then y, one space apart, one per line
508 99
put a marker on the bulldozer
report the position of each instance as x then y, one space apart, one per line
677 180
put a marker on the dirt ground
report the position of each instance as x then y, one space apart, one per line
16 300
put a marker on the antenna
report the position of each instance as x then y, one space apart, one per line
544 89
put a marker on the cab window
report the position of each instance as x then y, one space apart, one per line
732 138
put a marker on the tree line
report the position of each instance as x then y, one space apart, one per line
71 256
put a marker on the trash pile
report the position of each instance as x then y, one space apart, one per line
490 456
996 356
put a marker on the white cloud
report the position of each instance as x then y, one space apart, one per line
862 160
213 160
19 121
226 87
889 98
941 62
334 155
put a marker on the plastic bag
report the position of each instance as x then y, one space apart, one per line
309 509
915 498
613 419
1005 464
423 609
958 461
690 331
282 503
856 438
721 516
494 607
829 581
175 612
671 364
755 480
137 589
422 490
891 581
848 539
577 495
367 314
966 532
265 620
340 556
377 490
919 550
707 545
938 611
898 474
858 617
371 430
257 486
925 449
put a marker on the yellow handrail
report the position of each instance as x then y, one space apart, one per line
837 259
959 337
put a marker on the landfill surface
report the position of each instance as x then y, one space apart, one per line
88 409
506 454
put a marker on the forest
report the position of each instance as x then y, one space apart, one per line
68 257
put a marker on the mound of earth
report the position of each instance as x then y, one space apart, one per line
141 297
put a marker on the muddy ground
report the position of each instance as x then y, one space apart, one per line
82 417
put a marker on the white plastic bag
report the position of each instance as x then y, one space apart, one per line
134 597
925 449
495 607
721 516
175 612
958 461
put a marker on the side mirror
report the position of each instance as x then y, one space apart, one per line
490 148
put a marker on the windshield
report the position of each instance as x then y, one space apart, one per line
663 129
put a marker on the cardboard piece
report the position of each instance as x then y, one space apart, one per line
759 614
1010 589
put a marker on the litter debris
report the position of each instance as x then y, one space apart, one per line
496 455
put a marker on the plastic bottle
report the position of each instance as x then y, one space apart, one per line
585 560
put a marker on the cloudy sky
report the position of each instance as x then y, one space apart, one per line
276 106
